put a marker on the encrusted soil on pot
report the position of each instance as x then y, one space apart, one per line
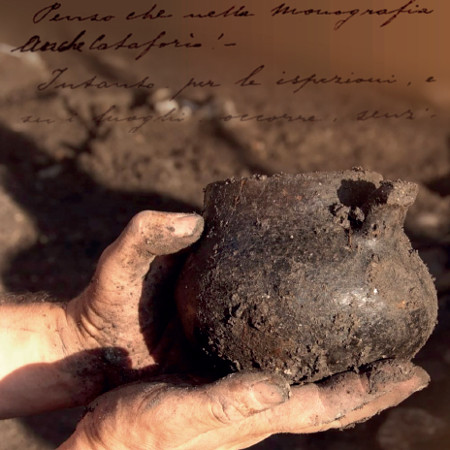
307 275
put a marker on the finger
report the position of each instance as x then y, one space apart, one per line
347 398
218 405
161 414
392 395
148 234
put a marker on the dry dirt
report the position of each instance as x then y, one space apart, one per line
66 190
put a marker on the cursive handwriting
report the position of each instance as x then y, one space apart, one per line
233 11
301 82
93 82
410 7
249 80
375 114
111 117
193 83
101 43
39 120
393 14
151 14
90 34
35 44
269 118
314 79
44 13
48 13
59 80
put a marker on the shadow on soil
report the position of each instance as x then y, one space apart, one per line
76 218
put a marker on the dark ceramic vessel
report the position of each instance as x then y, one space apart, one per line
307 275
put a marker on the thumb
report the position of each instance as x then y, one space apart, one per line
164 415
148 234
218 405
239 396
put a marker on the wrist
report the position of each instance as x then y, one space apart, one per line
44 369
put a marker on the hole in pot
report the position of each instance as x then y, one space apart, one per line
352 196
355 192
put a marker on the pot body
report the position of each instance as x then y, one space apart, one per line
307 275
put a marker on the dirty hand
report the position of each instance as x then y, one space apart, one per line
125 314
237 411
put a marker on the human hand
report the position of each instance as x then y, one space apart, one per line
122 327
126 314
237 411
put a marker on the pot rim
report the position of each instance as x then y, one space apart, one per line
354 187
355 173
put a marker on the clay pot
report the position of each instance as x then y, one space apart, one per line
307 275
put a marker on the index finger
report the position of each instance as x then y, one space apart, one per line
347 398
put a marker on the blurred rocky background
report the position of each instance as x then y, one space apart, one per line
68 188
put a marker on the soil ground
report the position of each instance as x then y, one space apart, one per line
67 189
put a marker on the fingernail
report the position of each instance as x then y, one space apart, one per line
188 225
273 391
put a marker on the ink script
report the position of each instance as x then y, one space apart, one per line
272 47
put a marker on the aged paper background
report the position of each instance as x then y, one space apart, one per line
76 161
